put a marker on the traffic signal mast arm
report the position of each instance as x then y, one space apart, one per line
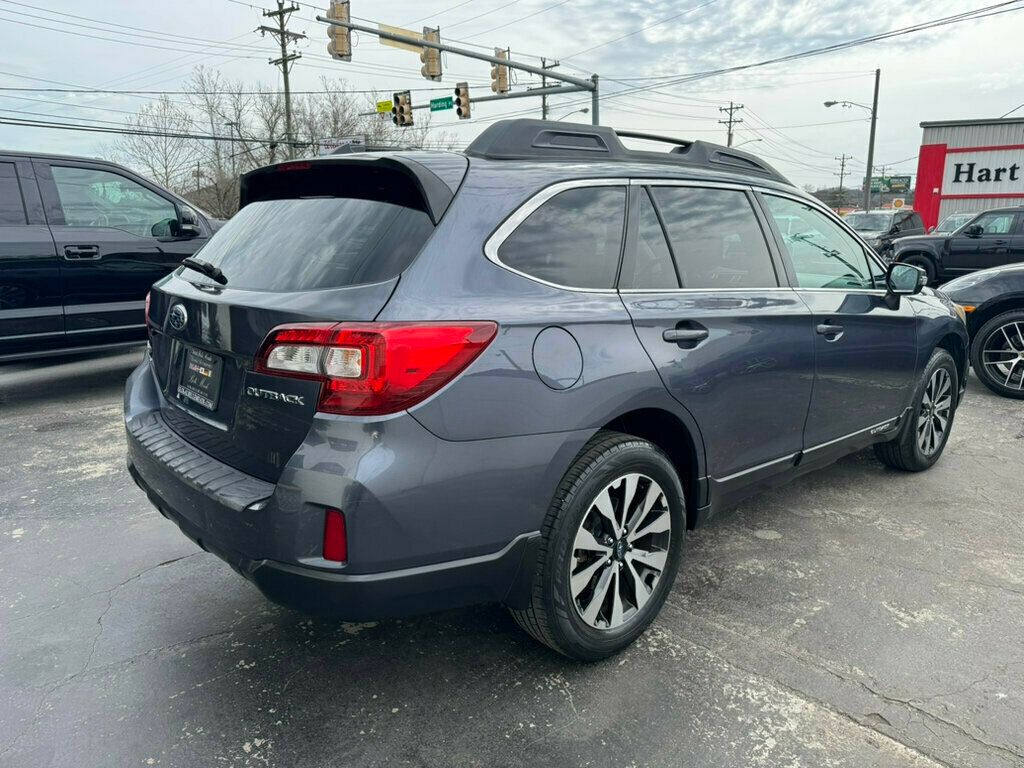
580 84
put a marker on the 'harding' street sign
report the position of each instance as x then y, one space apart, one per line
445 102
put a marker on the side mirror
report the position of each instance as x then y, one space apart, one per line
188 223
975 230
904 279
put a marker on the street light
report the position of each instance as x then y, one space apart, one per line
747 141
873 109
580 111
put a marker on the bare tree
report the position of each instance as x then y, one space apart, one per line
168 160
246 124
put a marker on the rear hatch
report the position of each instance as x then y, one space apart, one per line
315 241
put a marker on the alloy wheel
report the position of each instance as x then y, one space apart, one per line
620 551
936 409
1003 355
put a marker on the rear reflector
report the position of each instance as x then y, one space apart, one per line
374 368
335 537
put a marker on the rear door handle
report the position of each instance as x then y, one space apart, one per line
677 335
80 252
829 331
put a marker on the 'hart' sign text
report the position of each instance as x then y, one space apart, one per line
984 172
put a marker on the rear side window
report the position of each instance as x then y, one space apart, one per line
12 209
648 264
716 238
312 243
574 239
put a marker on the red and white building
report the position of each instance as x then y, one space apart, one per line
969 165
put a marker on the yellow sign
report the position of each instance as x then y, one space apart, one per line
384 106
898 202
403 33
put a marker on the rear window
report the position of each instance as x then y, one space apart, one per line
311 243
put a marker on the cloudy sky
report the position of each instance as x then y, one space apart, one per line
968 70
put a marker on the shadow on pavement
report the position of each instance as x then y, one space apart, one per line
67 377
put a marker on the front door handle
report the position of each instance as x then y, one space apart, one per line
79 252
829 331
682 335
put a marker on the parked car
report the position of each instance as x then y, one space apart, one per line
991 239
81 242
517 374
952 223
880 227
993 300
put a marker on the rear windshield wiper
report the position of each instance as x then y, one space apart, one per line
205 268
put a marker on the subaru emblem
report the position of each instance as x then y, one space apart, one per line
177 317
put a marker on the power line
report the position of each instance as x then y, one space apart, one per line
521 18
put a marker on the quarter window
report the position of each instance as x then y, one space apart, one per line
648 264
12 209
574 239
823 254
93 198
715 237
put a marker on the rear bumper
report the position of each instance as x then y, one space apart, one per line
443 525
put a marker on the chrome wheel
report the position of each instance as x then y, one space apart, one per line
1003 355
936 409
620 551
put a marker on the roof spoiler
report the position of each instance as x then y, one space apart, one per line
526 139
388 178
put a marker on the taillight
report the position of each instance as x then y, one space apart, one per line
369 369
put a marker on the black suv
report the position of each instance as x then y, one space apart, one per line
81 242
991 239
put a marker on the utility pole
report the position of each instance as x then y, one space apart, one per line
881 193
871 143
732 109
284 37
843 173
544 84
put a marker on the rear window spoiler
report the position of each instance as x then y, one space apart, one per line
389 178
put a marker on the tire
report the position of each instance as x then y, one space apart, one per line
561 612
924 263
992 354
911 450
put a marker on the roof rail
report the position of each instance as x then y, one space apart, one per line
526 139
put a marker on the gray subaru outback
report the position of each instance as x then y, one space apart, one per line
403 382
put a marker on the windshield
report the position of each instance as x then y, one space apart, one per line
953 221
869 222
311 243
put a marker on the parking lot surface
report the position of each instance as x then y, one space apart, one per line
856 617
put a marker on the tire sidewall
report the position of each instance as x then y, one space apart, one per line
984 334
585 641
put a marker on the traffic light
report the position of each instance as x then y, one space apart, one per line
402 110
431 57
462 101
340 45
499 72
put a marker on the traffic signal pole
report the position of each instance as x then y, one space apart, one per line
574 84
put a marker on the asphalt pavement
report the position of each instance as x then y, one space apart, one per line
856 617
